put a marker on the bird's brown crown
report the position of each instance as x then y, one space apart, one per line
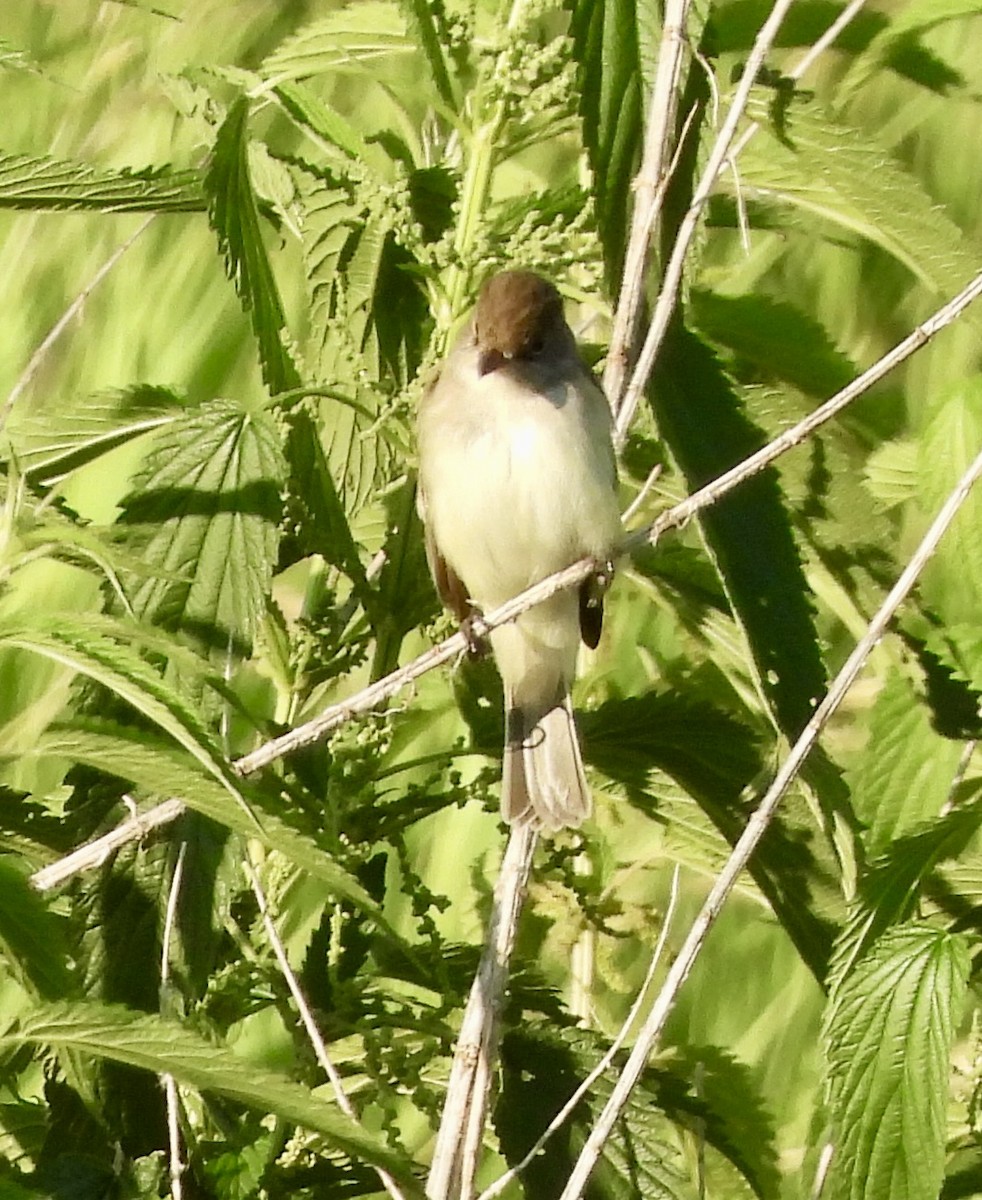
517 313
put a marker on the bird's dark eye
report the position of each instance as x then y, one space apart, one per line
534 347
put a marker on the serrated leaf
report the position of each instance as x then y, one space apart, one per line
888 1039
817 163
32 943
952 580
208 498
959 647
348 39
777 339
234 215
905 774
161 769
714 758
736 25
94 648
309 110
891 472
748 531
542 1068
891 885
609 45
51 444
151 1043
41 184
900 34
422 17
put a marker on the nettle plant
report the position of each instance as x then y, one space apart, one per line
218 637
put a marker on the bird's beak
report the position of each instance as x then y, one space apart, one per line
490 360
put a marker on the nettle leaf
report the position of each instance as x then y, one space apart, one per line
151 1043
748 532
309 111
351 38
208 501
610 43
163 769
33 947
952 580
777 340
897 42
714 757
904 775
55 442
233 211
42 184
891 472
424 18
891 885
888 1039
736 25
99 649
644 1156
814 162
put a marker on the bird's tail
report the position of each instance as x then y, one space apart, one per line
543 782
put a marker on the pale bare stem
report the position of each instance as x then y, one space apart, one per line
59 327
307 1017
648 194
672 280
462 1123
560 1119
754 831
173 1100
674 518
94 853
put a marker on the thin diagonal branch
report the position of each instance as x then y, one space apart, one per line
754 831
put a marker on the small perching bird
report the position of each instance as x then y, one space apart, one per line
518 480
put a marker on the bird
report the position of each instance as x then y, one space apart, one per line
517 480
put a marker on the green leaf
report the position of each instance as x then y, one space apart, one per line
905 774
351 38
41 184
891 472
423 17
162 769
95 648
735 26
309 110
816 163
748 531
543 1067
952 580
891 885
52 444
608 44
32 942
778 340
898 39
888 1039
715 758
151 1043
208 501
234 215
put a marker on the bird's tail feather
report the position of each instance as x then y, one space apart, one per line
543 782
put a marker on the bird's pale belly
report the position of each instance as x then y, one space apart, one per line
521 502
